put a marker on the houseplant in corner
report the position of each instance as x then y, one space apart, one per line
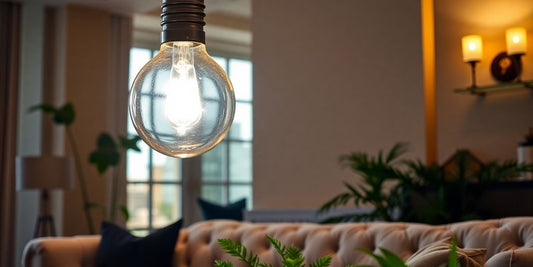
419 192
451 192
376 172
108 153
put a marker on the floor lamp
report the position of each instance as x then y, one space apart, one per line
44 173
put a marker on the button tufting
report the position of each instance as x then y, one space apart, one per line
520 243
335 248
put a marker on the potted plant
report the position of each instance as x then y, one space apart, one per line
376 172
419 192
107 154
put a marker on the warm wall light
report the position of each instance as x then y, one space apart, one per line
506 67
472 48
516 41
472 53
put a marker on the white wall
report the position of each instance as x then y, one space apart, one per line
331 77
490 127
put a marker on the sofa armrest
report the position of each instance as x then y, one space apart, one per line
61 251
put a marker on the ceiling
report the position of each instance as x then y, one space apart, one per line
240 8
228 21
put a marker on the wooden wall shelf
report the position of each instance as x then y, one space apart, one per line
497 88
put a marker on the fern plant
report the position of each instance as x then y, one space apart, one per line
292 256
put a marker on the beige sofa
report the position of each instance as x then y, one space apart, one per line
509 242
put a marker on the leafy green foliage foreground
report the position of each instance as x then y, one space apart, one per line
292 256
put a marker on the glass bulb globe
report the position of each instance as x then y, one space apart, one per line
181 102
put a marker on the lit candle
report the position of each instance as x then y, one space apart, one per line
472 48
516 41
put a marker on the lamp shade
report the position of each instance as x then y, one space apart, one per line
516 41
44 172
472 48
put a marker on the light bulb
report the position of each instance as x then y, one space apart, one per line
183 105
181 102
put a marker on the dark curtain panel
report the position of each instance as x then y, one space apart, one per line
9 55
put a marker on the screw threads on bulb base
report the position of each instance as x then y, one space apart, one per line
182 20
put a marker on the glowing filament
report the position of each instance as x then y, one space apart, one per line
183 104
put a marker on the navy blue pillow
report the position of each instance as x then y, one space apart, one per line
213 211
120 248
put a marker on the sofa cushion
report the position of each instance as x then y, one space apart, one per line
437 253
120 248
509 241
212 211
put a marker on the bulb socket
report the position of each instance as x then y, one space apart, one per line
182 20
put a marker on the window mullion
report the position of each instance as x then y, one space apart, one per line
191 188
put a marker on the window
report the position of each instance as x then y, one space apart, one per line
155 182
227 169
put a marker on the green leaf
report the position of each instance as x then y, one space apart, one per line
322 262
106 141
336 201
106 153
396 151
219 263
124 210
380 259
65 115
277 246
293 257
392 259
452 259
353 190
46 108
95 205
239 251
129 143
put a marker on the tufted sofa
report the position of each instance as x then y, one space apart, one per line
509 242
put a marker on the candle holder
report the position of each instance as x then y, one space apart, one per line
516 40
473 71
472 53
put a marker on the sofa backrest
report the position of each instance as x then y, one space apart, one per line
507 240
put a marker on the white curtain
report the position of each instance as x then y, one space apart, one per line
120 44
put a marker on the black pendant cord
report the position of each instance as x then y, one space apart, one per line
182 20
